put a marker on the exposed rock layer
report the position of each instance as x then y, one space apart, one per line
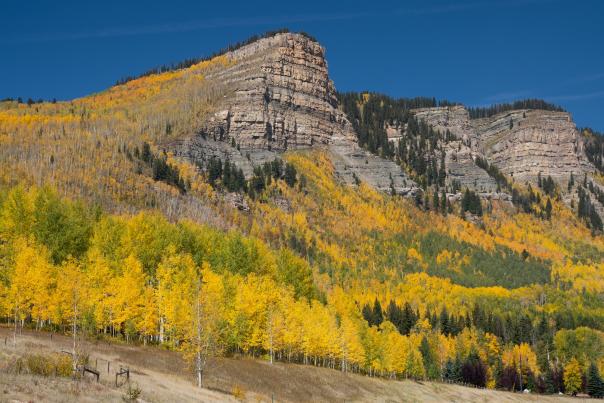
524 143
280 98
521 143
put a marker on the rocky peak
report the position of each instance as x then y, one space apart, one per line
279 97
282 97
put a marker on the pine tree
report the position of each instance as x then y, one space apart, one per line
395 315
595 385
595 220
539 183
550 382
368 314
452 370
429 360
290 175
474 371
378 316
548 209
445 327
409 318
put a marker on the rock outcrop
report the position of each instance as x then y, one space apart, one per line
520 143
282 96
526 143
460 154
453 118
279 98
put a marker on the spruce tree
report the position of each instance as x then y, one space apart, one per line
378 316
436 200
429 360
595 385
445 327
368 314
548 209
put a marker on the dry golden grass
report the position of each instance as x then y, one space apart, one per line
163 377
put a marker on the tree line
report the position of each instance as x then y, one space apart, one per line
485 112
226 175
195 60
157 166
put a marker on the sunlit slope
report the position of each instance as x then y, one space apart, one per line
90 148
304 273
85 147
358 233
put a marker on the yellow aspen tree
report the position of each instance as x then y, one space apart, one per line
128 302
31 282
573 377
352 353
71 301
202 337
522 358
99 280
175 286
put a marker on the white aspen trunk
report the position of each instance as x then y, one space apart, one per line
198 346
161 317
271 333
16 321
75 329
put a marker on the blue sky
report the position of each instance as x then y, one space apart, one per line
473 51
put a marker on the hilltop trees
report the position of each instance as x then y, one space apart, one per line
420 149
476 113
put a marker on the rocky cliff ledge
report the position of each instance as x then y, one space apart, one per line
521 143
462 152
524 143
279 97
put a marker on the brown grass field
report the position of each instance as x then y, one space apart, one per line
162 376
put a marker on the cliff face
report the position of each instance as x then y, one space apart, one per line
279 97
453 118
460 153
524 143
521 143
282 96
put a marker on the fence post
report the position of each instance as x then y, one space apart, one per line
108 362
